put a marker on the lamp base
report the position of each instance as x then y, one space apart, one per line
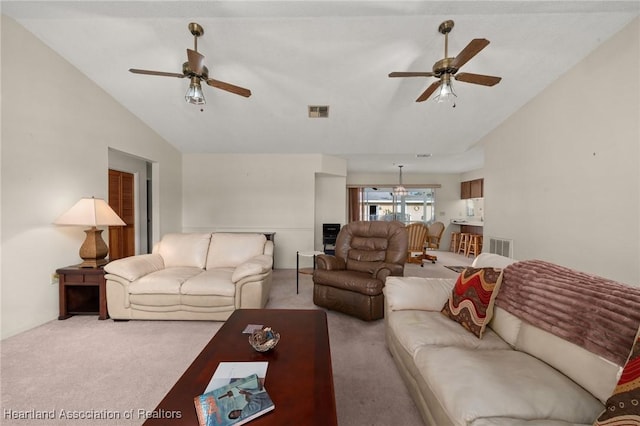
93 263
94 250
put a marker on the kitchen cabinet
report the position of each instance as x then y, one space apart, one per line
477 188
465 190
472 189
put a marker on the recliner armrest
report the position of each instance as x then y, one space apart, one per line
255 266
388 269
133 267
330 263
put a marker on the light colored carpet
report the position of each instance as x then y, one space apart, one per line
82 366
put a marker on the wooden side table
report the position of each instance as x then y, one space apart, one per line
83 291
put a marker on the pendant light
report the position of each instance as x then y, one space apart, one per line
400 191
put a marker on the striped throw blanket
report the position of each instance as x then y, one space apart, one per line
597 314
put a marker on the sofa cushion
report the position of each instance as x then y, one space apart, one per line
415 329
228 250
427 294
623 407
165 281
184 249
473 384
471 301
591 371
486 260
212 282
506 325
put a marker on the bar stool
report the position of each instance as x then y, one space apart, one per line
475 245
463 245
455 240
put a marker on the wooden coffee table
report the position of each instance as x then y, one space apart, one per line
299 378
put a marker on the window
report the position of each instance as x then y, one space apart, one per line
378 203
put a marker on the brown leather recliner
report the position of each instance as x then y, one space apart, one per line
366 254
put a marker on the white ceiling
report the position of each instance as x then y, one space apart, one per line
292 54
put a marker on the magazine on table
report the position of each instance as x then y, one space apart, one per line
228 371
237 403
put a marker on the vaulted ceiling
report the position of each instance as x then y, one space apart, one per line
292 54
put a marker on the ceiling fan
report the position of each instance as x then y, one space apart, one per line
447 67
195 70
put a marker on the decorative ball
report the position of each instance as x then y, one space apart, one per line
264 340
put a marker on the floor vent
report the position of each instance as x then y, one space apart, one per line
501 246
318 111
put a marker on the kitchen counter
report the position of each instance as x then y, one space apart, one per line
467 222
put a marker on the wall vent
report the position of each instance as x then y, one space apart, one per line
318 111
501 246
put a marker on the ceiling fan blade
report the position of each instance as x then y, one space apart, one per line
160 73
196 61
432 88
411 74
471 50
485 80
229 87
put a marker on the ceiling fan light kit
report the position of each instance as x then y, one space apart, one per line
447 67
195 70
446 93
194 93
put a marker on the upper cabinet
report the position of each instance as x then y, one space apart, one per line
472 189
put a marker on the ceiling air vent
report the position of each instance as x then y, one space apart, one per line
318 111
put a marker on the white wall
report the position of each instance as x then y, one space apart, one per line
331 196
259 193
57 128
562 175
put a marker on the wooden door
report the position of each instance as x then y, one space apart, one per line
122 201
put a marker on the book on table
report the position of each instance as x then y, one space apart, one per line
234 404
230 371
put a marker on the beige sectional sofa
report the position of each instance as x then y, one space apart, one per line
192 277
550 359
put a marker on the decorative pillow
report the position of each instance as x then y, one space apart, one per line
623 407
472 298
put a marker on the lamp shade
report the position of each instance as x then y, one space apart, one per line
90 212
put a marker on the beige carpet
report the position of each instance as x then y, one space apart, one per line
82 366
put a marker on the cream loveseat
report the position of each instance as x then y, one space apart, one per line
192 277
551 355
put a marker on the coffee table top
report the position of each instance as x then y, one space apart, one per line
299 378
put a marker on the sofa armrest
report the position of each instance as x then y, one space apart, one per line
330 263
134 267
426 294
255 266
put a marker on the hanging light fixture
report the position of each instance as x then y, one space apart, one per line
400 191
446 93
194 93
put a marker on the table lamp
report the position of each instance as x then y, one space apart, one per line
91 212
